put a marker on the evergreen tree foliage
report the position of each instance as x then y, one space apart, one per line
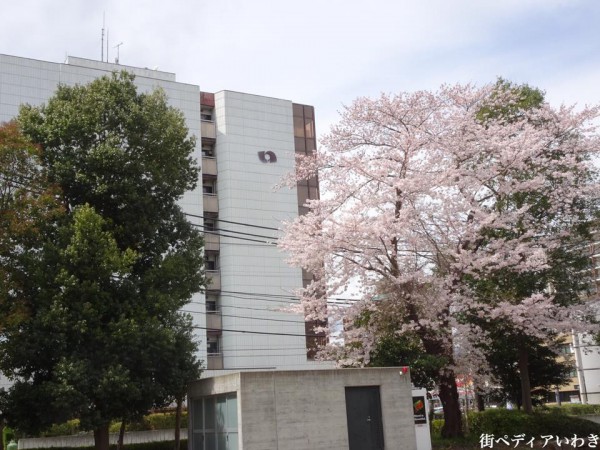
102 329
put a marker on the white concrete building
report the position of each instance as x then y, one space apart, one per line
245 144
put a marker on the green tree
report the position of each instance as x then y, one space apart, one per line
391 349
545 370
181 368
27 205
564 265
114 273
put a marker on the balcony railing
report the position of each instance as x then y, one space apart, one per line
208 130
214 361
209 166
214 323
214 280
212 241
211 203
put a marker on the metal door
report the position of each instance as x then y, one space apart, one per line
363 411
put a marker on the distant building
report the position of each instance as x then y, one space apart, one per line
245 144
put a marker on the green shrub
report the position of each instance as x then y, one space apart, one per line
156 421
501 422
7 435
498 421
436 426
576 409
63 429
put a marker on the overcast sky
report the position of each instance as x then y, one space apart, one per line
326 52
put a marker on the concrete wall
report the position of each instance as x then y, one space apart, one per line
306 410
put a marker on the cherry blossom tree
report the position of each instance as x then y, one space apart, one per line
531 205
439 197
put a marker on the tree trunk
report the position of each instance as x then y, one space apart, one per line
101 437
448 391
479 400
121 435
178 402
450 402
524 375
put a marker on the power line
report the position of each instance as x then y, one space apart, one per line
259 298
229 221
219 229
252 349
234 237
281 300
286 297
297 322
260 332
240 307
227 352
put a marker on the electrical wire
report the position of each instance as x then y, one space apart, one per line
286 297
297 322
235 237
229 221
229 330
218 230
252 349
240 307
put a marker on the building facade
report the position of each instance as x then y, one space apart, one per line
245 144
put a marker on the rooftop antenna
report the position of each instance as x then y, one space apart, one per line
118 48
102 44
107 30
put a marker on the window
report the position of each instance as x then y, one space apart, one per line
208 151
212 304
211 261
215 422
209 186
565 349
209 225
206 114
212 345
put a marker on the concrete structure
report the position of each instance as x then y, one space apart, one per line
246 144
360 409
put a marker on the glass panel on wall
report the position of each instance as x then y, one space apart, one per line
232 419
219 431
209 412
221 412
300 144
198 414
310 129
298 126
222 441
198 441
232 441
211 441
